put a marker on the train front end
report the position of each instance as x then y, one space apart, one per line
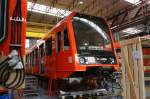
94 42
96 62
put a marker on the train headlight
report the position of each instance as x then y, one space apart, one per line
82 60
112 60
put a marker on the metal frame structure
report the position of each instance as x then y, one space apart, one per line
131 16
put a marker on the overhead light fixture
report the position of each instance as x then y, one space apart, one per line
131 31
43 9
133 1
81 2
27 43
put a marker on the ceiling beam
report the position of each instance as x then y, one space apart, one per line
34 35
131 17
88 6
39 24
100 10
30 14
38 27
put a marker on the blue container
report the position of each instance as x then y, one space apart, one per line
4 96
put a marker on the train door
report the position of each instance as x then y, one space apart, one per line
49 59
41 58
36 60
63 57
58 49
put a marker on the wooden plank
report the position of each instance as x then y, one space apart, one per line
133 70
147 78
129 74
130 41
146 68
125 79
146 56
130 60
141 72
136 73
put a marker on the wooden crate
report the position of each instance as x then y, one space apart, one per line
133 69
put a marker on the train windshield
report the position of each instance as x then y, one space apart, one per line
91 33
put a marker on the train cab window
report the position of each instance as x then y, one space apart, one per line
58 42
66 40
91 33
49 46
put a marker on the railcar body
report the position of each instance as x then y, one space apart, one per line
75 48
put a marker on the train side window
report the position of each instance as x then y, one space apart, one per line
58 42
36 55
41 47
34 58
31 58
49 46
66 40
26 59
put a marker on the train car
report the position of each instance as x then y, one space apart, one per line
12 42
75 53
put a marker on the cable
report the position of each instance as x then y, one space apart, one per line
4 14
12 78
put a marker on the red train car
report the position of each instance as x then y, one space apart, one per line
12 36
75 50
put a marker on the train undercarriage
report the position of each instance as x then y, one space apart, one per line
94 82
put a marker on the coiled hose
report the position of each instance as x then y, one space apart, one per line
12 71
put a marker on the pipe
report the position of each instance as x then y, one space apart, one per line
5 21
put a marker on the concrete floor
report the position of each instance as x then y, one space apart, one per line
46 97
42 95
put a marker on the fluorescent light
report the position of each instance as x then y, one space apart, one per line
133 1
47 10
131 31
27 43
81 2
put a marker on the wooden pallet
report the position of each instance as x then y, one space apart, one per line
133 67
